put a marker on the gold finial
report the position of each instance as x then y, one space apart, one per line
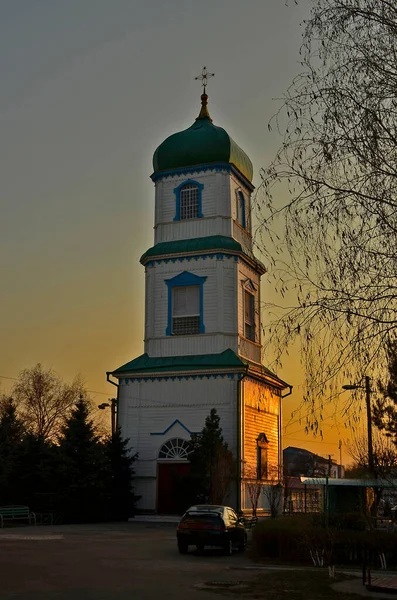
204 114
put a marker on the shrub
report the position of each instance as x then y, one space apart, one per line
308 539
281 539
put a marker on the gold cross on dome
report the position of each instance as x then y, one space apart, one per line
204 78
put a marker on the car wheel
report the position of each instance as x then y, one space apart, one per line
200 548
183 548
229 548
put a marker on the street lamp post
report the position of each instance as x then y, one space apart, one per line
367 388
113 411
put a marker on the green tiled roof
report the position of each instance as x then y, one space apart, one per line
159 364
213 242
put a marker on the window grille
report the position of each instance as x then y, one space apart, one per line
175 449
186 310
249 316
189 205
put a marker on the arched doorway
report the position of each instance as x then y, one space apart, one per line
172 465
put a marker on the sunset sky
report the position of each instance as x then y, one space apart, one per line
89 89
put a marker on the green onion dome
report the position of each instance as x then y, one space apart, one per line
202 143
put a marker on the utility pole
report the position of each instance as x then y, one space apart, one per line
367 388
369 424
340 458
113 412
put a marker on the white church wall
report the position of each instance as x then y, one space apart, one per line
241 235
216 208
192 228
218 291
261 408
238 232
247 348
146 488
190 345
151 407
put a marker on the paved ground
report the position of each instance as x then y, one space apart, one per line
355 586
107 562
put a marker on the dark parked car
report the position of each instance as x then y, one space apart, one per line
209 525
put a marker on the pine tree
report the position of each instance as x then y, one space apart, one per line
120 460
82 468
11 435
212 467
385 408
35 470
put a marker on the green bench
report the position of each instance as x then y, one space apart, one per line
14 512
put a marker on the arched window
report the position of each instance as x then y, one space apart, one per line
241 209
188 200
249 315
175 449
262 445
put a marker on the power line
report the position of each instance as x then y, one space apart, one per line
312 441
304 428
90 391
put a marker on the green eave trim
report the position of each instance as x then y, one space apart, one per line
162 364
213 242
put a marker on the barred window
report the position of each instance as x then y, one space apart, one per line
186 310
189 203
249 316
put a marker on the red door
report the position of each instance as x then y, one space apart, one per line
168 476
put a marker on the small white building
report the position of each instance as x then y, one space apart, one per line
202 322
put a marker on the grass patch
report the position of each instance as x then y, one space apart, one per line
289 585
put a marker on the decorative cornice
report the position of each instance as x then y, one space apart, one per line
217 255
217 167
190 257
162 377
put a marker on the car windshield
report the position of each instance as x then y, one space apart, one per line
199 519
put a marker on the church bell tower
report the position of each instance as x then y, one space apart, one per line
202 345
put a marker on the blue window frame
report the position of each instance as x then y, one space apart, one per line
188 200
241 209
185 304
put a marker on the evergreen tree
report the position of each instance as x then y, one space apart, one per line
83 471
11 434
35 470
385 408
121 497
212 467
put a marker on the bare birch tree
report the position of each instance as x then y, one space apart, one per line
384 455
44 400
254 486
273 492
334 252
